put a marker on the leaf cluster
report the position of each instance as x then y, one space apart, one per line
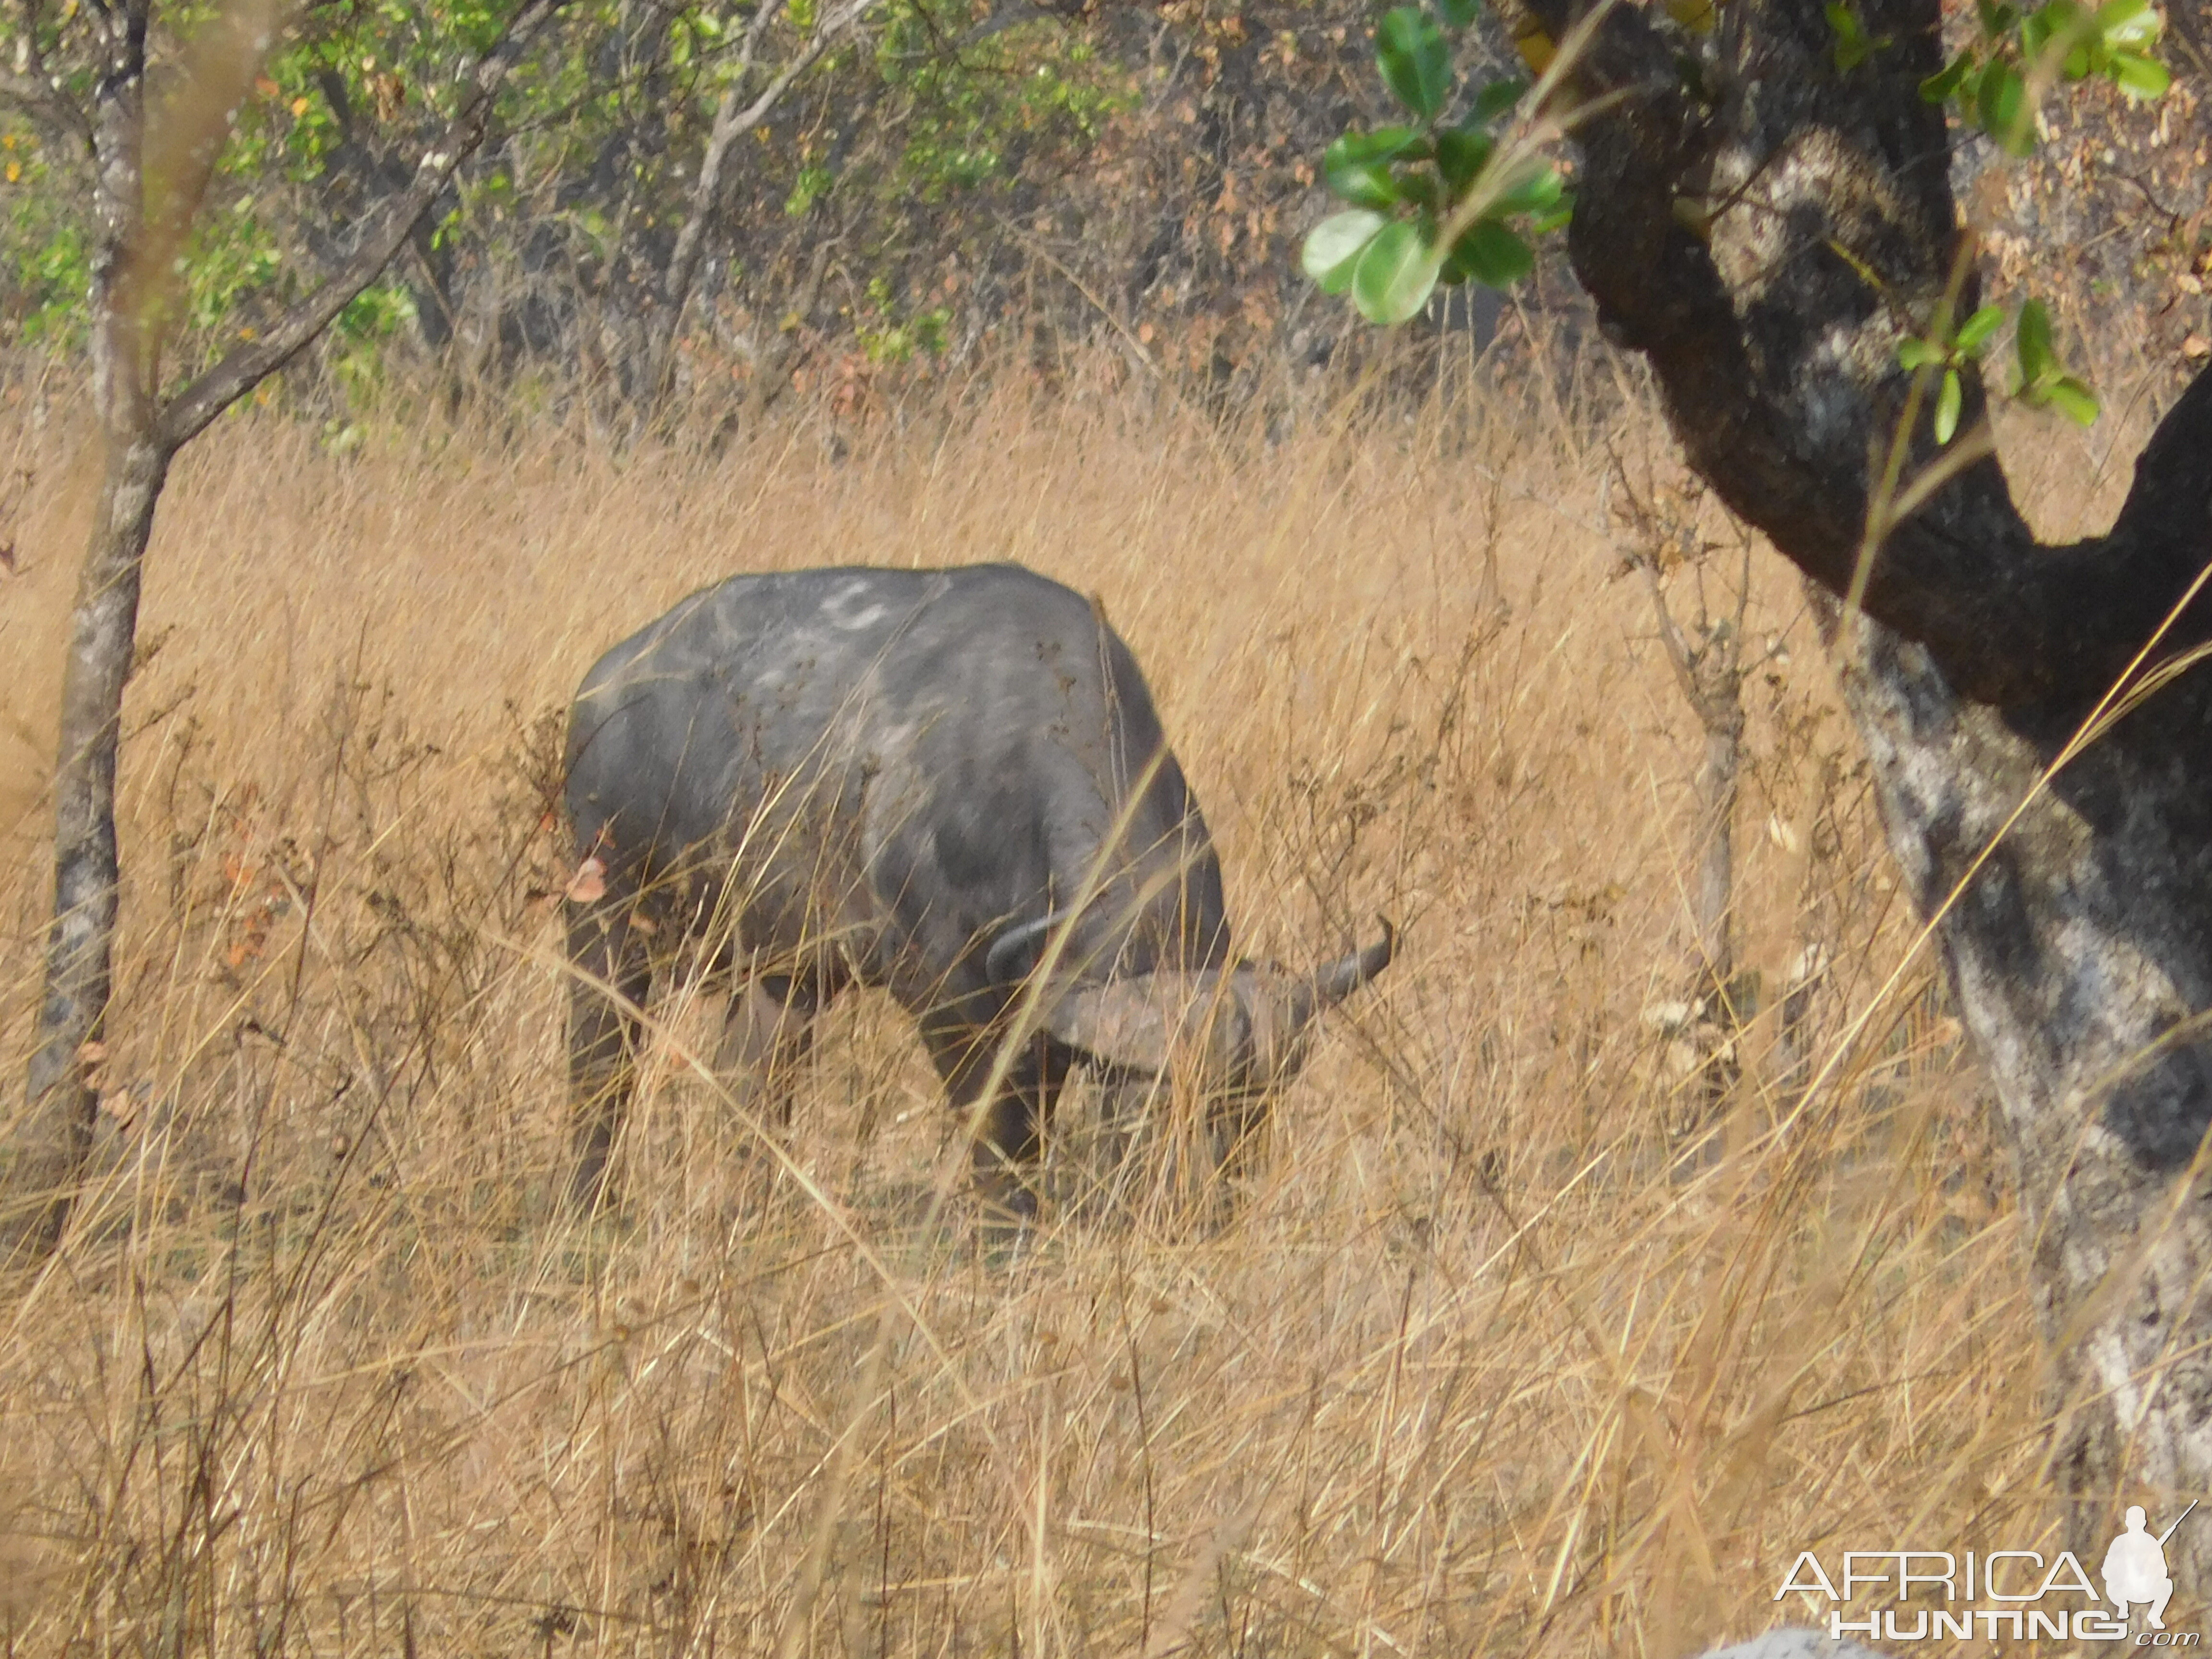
1852 45
2042 381
1991 83
1432 202
968 110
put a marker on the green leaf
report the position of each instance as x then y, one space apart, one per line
2073 399
2139 77
1394 275
1947 401
1492 255
1461 155
1495 99
1918 354
1423 189
2038 29
1970 91
1939 88
2002 108
1383 144
1357 168
1543 224
1533 194
1975 331
1365 186
1852 46
1459 12
2127 25
1333 246
1416 63
2033 342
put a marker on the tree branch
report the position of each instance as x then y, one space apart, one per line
246 365
1767 229
47 104
731 124
37 93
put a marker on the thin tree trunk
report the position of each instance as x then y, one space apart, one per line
732 121
1710 675
141 226
61 1099
80 940
1712 888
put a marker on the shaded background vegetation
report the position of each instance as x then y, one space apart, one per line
958 178
955 177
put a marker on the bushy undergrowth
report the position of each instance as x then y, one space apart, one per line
1529 1329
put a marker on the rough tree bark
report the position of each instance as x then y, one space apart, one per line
1733 204
147 181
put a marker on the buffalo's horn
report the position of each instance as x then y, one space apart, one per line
1014 952
1338 979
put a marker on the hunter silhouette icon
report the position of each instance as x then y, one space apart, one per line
2135 1567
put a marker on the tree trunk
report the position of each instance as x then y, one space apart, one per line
1712 891
1767 229
142 230
2081 952
62 1098
1711 673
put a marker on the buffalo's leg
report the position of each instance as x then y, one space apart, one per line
767 1035
1010 1131
609 975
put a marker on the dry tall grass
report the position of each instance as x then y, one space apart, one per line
1492 1355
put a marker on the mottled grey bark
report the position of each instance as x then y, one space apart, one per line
138 229
57 1128
1797 1642
58 1131
1732 204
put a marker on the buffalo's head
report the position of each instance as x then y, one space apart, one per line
1245 1028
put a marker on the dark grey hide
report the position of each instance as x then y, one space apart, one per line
933 782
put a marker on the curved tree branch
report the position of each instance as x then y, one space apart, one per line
1767 229
246 365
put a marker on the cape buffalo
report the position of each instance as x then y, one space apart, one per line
947 783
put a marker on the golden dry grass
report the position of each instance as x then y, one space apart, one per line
1488 1359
